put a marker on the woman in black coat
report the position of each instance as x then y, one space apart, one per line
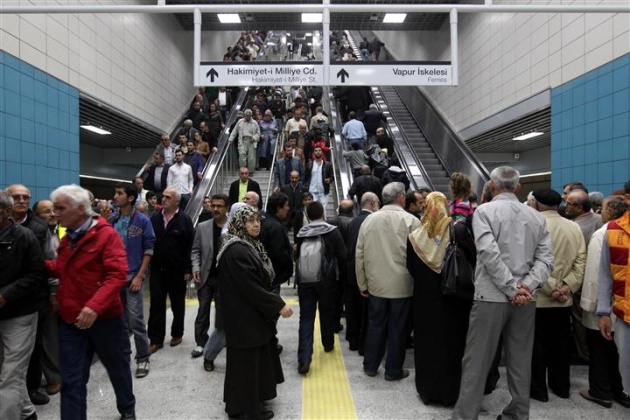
440 322
249 310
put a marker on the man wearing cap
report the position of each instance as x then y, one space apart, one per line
550 357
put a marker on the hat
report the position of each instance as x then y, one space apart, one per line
547 196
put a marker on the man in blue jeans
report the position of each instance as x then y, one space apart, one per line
91 266
136 231
322 293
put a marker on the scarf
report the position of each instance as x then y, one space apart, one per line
237 233
431 239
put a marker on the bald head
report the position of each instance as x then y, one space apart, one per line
346 207
365 170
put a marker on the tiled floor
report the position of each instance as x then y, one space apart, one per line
179 388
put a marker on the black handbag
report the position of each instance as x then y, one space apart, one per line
457 274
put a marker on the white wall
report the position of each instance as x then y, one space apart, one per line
507 57
214 44
139 63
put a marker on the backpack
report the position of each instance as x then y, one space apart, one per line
313 265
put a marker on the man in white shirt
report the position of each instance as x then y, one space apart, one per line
180 177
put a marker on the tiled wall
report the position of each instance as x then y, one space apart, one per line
507 57
590 135
138 63
39 128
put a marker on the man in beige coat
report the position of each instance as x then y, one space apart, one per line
553 305
382 277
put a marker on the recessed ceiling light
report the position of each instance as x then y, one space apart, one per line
229 17
311 18
528 135
394 17
94 129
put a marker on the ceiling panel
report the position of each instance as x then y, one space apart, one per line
338 21
500 138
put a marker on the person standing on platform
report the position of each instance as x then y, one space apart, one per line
171 269
92 269
514 259
22 274
136 231
249 310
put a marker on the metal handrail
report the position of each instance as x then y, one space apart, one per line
272 168
219 166
343 182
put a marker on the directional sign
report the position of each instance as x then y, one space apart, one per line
260 74
389 74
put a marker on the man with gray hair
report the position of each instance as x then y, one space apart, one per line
92 267
248 132
383 278
22 274
514 259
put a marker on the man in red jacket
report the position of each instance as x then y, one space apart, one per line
92 269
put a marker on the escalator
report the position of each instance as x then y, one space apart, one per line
426 145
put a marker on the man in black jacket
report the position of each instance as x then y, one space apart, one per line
345 213
171 269
322 294
294 190
356 305
251 185
24 216
157 174
276 240
22 274
319 185
365 183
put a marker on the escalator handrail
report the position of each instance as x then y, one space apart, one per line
216 161
342 185
272 168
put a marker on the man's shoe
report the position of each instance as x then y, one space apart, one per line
279 348
39 398
303 368
329 349
339 328
587 396
622 399
541 398
208 365
32 416
176 341
53 388
370 373
155 347
128 415
403 374
142 369
197 352
265 415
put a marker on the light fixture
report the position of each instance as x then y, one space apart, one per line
308 34
528 135
311 18
229 17
101 178
394 17
374 17
95 129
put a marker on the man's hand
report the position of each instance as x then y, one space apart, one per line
605 327
54 302
196 277
3 301
286 311
214 150
187 277
86 318
136 283
522 297
561 294
365 294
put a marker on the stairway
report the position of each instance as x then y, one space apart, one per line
416 139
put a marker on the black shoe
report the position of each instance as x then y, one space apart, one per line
622 399
39 398
370 373
304 368
265 415
279 348
353 347
208 365
128 415
32 416
328 349
403 374
339 328
587 396
537 397
564 394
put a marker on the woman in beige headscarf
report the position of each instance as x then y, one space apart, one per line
440 322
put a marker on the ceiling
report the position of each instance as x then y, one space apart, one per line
126 131
499 140
338 21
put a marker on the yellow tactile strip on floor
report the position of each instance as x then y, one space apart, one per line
326 390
